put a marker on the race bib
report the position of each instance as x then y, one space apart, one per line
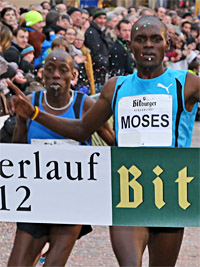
145 121
54 142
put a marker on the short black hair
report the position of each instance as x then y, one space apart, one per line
15 32
186 22
62 53
125 21
196 28
85 11
5 9
73 9
187 14
193 65
143 11
52 17
44 2
148 18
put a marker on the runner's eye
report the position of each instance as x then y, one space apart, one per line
140 39
63 71
156 39
49 69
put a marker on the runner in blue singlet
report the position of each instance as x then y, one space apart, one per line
59 100
153 107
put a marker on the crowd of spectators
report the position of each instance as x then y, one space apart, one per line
96 38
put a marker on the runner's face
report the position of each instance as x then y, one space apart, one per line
58 72
148 44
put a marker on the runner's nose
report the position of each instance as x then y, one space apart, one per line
148 43
56 74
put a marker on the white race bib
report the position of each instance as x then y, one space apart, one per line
145 120
54 142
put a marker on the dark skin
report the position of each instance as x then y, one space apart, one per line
58 72
128 243
61 75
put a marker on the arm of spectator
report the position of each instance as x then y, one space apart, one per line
19 77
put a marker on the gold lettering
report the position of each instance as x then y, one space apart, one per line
158 188
124 187
182 181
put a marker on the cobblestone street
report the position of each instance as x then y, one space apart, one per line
95 248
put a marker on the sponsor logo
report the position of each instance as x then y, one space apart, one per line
164 87
143 103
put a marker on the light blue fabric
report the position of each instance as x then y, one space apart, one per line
132 85
38 131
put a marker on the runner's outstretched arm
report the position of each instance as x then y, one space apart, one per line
79 130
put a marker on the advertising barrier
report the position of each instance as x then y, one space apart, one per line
100 185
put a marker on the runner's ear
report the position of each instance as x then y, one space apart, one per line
74 74
168 43
43 74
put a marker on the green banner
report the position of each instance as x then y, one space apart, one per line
156 187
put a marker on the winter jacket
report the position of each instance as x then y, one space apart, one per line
13 54
95 40
120 59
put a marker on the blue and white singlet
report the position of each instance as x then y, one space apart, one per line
37 133
151 112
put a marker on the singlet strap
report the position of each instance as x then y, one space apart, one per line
77 105
180 109
114 104
37 97
77 109
35 102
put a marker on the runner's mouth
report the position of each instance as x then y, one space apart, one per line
148 57
55 86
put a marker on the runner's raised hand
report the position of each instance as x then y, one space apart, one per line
20 103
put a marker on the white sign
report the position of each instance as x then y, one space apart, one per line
145 120
55 184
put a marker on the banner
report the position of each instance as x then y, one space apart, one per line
156 186
56 184
100 185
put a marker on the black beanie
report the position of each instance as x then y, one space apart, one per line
72 10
